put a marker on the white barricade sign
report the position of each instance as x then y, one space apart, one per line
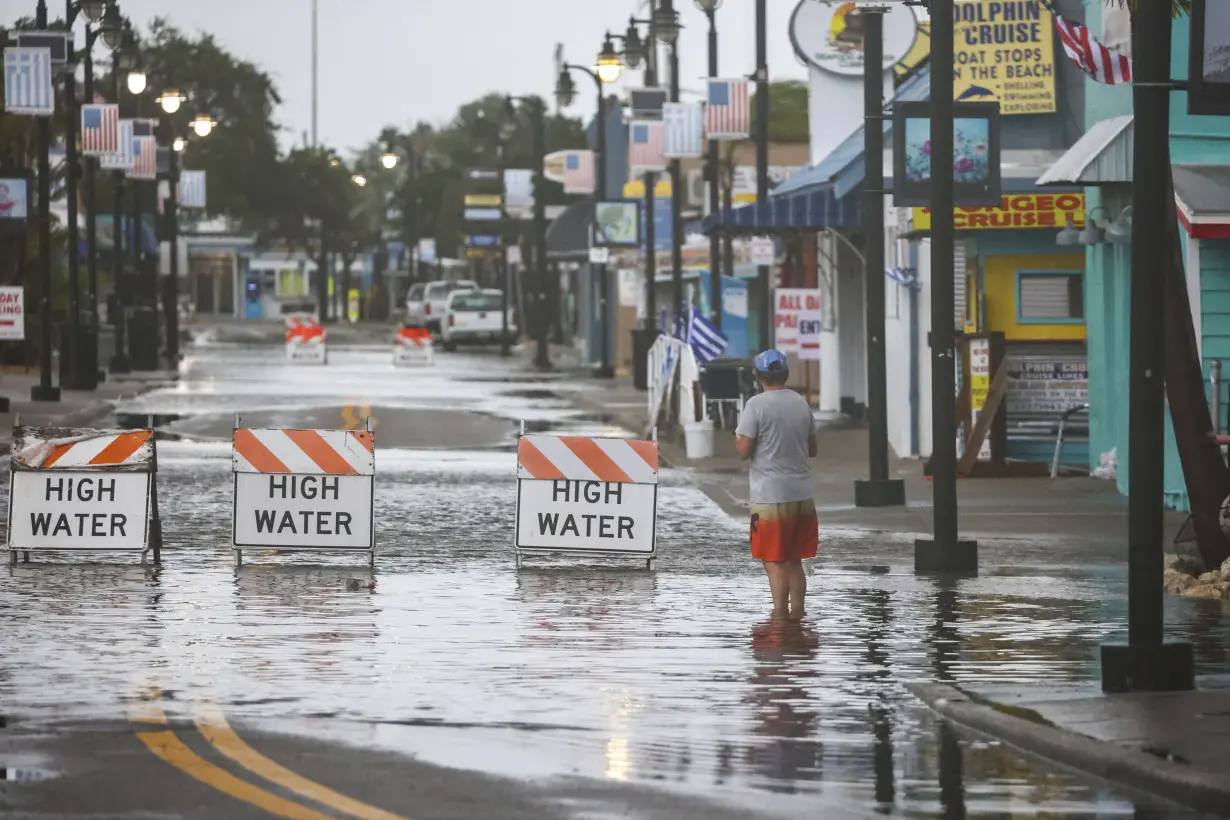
593 496
303 490
81 489
306 340
412 347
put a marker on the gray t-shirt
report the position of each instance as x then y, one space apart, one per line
780 421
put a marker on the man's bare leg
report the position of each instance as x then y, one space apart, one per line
779 586
797 585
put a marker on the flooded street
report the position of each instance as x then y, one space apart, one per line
597 674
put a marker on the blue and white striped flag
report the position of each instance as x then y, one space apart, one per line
121 160
684 130
192 189
706 341
28 86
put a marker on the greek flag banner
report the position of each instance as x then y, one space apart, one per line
684 130
28 85
706 341
192 189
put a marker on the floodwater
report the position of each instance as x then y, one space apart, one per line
673 679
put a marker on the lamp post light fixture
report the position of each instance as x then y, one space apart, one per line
171 100
634 49
708 5
565 89
1119 232
1093 234
1069 235
389 158
359 179
203 125
609 66
666 23
112 27
137 81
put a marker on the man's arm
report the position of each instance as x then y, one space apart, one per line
813 446
744 445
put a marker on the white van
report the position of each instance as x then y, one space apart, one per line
435 300
414 306
473 317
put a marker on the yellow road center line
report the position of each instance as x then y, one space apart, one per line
171 749
212 724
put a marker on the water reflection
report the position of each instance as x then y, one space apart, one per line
785 750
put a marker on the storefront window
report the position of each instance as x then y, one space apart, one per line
292 282
1051 297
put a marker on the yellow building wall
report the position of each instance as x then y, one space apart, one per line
998 282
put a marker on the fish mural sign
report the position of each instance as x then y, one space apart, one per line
1005 53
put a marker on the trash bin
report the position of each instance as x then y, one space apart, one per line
698 438
642 339
727 377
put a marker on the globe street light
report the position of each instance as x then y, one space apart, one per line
666 23
565 89
359 179
137 81
171 100
634 49
203 125
179 144
708 5
609 67
112 27
389 158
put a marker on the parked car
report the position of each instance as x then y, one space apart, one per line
415 316
435 300
473 317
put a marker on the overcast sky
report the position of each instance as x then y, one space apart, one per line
392 62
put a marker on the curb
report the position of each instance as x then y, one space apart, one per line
1139 771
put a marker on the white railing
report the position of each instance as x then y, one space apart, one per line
672 367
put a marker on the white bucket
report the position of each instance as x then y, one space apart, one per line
698 438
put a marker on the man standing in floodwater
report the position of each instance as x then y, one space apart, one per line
778 433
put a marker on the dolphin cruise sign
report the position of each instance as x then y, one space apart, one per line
1005 53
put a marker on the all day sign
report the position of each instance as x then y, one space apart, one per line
1005 53
12 314
790 306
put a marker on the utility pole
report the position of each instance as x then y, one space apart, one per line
762 162
715 241
71 337
89 373
605 370
677 191
171 297
879 491
43 391
651 183
1147 662
945 552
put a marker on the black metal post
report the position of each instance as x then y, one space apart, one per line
1147 662
944 553
762 163
43 391
605 370
728 241
119 358
72 348
677 191
171 298
879 491
89 371
322 277
715 241
651 254
537 112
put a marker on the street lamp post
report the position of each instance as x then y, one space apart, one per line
710 7
123 60
536 110
762 161
665 29
44 391
608 71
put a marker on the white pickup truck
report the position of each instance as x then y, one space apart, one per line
473 317
435 301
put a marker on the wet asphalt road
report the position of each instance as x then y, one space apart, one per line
460 687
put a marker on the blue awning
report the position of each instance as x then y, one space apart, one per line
812 211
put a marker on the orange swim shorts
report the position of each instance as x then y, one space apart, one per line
784 532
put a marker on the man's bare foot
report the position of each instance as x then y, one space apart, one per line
796 615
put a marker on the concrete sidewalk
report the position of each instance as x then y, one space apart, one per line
76 407
1034 520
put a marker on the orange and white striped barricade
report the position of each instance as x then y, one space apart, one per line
83 490
306 340
413 347
587 496
307 490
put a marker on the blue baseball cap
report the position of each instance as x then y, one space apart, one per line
771 362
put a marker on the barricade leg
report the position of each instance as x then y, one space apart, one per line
238 559
25 558
12 557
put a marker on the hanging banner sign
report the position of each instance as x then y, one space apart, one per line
1005 52
12 314
1015 211
790 305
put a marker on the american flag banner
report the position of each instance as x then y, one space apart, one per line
684 130
728 110
144 158
1103 64
192 189
121 160
647 143
100 129
579 176
28 85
